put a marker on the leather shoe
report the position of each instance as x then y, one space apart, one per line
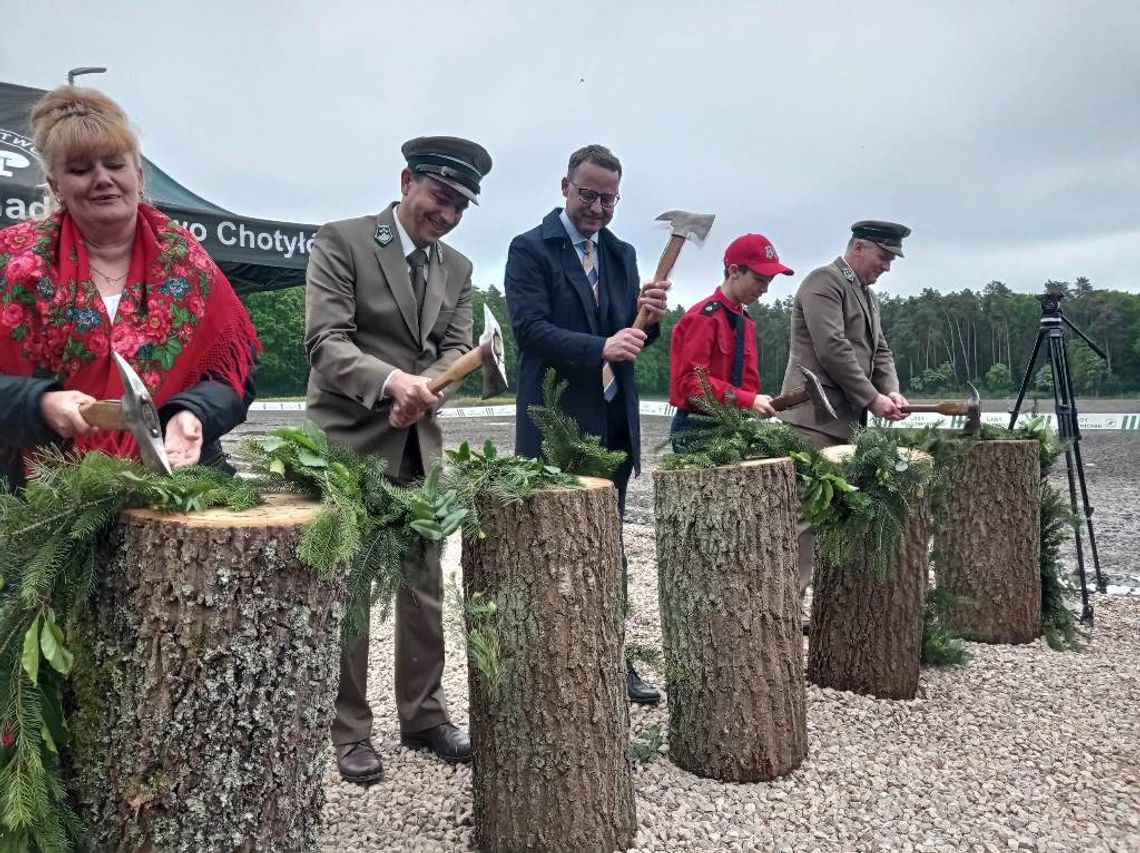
359 762
640 693
445 740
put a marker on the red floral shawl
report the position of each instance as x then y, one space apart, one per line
178 322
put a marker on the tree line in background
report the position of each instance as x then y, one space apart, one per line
940 341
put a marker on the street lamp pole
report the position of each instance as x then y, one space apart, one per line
86 69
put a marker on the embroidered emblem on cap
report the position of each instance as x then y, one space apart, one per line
770 252
383 235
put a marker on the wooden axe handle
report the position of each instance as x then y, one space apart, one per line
104 414
664 268
792 398
669 257
940 408
467 363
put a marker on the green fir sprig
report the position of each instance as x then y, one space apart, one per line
366 522
724 434
563 444
507 479
941 644
869 522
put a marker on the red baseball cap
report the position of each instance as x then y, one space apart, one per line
756 252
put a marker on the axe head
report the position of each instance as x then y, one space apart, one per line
819 402
973 411
141 418
692 226
494 356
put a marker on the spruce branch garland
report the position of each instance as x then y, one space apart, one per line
857 508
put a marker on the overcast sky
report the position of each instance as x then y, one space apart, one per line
1006 134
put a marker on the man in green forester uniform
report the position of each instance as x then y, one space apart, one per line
388 307
836 334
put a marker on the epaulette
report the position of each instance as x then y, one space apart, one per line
710 308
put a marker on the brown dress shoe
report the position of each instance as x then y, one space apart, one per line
359 762
445 740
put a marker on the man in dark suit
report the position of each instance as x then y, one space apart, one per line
388 307
835 333
573 292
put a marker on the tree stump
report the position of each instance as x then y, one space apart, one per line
989 546
730 618
552 769
212 660
866 633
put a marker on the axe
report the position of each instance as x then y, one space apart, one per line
971 408
489 354
686 226
812 391
134 412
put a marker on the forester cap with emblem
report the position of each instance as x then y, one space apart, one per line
888 235
756 252
459 163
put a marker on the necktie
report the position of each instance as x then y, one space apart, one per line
738 325
609 381
417 260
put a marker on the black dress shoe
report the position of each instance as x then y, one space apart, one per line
445 740
359 762
640 693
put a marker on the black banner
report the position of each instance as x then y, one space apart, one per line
256 254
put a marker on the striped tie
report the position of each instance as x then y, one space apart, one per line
609 381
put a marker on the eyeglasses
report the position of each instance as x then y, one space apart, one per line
608 200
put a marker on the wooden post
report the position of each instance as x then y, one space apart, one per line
730 619
552 769
205 700
866 633
989 546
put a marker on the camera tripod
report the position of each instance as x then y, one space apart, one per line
1052 332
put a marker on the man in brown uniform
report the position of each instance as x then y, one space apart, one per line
836 334
387 307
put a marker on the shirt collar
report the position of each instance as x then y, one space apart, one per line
575 237
723 299
406 243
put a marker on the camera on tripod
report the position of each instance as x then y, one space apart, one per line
1051 333
1050 303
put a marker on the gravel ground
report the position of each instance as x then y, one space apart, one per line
1023 749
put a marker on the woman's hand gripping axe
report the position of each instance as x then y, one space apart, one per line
136 413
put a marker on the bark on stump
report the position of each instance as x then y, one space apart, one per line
205 701
866 633
552 770
988 548
730 619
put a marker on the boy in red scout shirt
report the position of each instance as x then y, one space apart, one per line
718 335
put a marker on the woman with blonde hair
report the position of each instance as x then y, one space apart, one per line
109 273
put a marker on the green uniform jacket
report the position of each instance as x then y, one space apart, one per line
836 335
361 323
